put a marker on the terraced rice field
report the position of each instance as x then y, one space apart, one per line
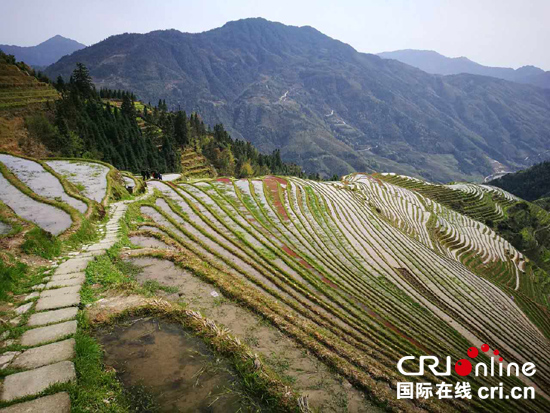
90 177
18 89
195 165
39 194
361 273
479 204
47 217
39 180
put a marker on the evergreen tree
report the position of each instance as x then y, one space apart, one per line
180 129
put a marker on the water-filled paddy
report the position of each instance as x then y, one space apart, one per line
165 368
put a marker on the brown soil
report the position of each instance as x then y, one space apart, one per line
271 184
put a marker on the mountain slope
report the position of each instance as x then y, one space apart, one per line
530 184
45 53
435 63
328 107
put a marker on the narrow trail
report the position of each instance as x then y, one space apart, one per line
48 345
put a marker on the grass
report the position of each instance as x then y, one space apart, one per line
97 390
9 275
41 243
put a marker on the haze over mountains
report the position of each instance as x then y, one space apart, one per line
433 62
328 107
45 53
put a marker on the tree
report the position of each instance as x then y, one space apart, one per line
246 170
226 162
180 129
82 80
127 108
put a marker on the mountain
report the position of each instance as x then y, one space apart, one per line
327 107
530 184
435 63
45 53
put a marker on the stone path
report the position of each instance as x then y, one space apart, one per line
49 348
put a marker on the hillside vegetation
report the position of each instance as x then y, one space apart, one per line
530 184
326 106
22 92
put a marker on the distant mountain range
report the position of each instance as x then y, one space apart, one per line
328 107
433 62
45 53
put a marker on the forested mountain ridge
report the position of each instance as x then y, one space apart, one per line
435 63
327 107
530 184
45 53
78 121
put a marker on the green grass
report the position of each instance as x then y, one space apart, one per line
9 275
97 390
41 243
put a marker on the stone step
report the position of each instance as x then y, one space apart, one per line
67 276
67 282
54 316
58 301
44 355
60 291
56 403
29 383
54 332
73 265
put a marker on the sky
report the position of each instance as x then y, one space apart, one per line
509 33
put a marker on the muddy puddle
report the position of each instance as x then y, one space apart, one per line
326 391
164 368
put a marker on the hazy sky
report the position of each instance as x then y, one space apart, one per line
508 33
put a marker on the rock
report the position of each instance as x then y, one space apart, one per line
32 295
54 316
56 403
15 321
44 355
22 309
65 300
7 357
35 381
38 287
5 335
54 332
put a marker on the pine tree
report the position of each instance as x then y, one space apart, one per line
180 129
83 81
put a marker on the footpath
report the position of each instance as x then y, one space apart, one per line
49 346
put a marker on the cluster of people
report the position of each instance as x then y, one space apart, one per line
147 175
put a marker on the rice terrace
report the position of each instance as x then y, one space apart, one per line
346 276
